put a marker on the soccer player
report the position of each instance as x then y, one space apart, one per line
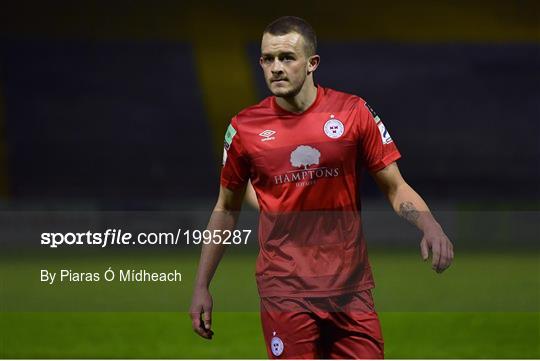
304 149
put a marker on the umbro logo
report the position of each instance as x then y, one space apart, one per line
267 135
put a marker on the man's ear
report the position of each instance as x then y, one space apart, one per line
313 63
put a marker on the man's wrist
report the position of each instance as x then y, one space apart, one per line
427 223
199 285
430 226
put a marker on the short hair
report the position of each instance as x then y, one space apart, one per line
289 24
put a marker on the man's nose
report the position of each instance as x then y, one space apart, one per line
277 67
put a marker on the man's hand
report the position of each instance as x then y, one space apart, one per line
224 217
410 206
442 250
201 312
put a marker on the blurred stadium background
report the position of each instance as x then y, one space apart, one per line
123 105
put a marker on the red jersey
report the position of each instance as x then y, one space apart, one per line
305 169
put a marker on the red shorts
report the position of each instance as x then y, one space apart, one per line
345 327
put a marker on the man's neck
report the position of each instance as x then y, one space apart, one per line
301 101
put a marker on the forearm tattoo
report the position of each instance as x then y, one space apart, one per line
408 211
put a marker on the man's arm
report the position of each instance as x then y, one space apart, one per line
409 205
224 217
251 196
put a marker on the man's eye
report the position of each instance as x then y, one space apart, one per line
267 60
287 58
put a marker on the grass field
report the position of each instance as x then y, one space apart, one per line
485 306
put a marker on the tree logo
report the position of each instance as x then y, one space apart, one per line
304 156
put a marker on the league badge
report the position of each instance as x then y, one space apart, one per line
385 136
229 135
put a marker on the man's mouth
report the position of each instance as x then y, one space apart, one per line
277 80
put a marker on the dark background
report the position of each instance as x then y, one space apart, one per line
123 105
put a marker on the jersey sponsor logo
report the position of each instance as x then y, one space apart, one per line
267 135
276 345
333 128
229 135
304 157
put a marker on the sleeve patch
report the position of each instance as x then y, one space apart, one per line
229 135
224 156
385 136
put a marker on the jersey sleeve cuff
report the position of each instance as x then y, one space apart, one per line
232 185
383 163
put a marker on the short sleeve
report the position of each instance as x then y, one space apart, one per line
236 170
376 147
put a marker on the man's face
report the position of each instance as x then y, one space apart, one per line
284 62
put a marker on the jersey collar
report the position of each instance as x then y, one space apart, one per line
280 110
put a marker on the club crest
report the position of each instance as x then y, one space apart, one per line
334 128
